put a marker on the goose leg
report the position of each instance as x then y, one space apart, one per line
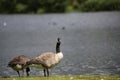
28 71
44 73
18 73
47 72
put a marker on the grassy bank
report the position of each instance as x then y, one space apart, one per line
100 5
57 6
82 77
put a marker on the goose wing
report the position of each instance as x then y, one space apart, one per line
45 59
19 60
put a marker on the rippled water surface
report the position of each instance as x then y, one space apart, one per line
90 41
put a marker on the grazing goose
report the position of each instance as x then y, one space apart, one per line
47 60
18 63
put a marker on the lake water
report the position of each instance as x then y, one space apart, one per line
90 41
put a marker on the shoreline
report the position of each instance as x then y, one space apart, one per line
63 77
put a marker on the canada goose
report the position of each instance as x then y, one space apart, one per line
18 63
47 60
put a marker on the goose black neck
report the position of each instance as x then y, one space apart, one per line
58 46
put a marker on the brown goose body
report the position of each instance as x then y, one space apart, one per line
47 60
18 63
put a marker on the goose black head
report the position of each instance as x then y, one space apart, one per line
58 39
58 45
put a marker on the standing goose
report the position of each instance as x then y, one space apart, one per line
47 60
18 63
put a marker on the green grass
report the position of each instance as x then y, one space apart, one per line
81 77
